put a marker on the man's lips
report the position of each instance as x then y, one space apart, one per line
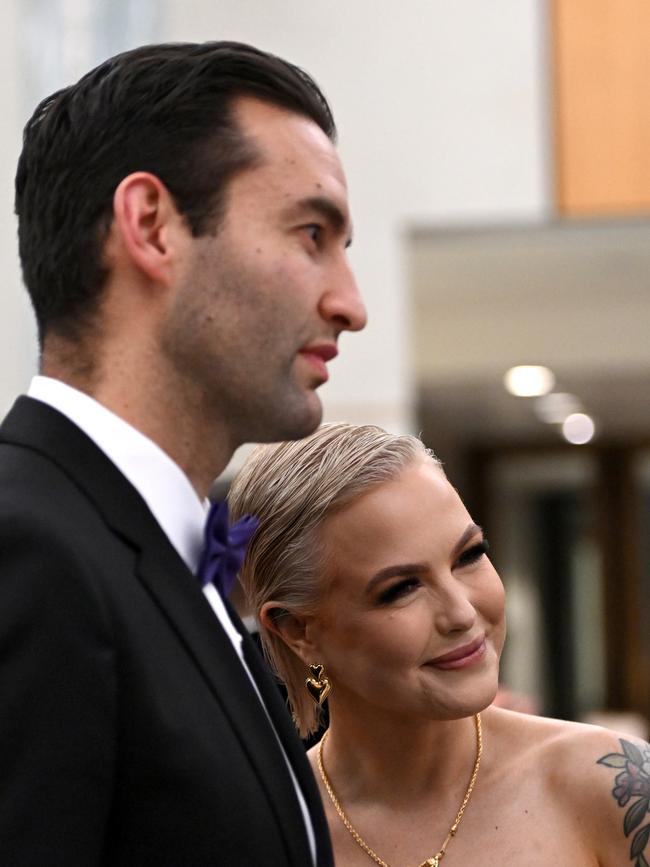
463 656
318 355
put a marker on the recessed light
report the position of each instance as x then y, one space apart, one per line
529 380
578 428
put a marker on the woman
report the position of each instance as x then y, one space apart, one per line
373 587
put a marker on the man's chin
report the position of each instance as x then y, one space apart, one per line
300 425
299 419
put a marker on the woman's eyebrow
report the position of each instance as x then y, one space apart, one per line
471 530
418 568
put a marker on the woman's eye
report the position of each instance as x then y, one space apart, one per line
473 554
399 589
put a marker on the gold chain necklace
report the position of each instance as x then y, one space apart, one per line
436 859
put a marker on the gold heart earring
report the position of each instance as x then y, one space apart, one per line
318 684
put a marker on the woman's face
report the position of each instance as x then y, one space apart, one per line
412 614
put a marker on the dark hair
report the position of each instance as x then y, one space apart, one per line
164 109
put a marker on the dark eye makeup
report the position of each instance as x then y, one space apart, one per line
409 583
472 554
399 589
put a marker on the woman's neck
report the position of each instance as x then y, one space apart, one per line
397 760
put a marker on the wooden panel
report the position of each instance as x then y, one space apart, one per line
601 52
620 535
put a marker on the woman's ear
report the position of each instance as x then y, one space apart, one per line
292 628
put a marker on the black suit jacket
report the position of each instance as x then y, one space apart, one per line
129 732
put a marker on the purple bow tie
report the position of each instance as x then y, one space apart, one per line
225 548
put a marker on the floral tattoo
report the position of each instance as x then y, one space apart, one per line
633 784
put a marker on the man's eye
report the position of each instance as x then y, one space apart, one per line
398 590
473 554
314 231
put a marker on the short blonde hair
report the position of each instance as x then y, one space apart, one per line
291 487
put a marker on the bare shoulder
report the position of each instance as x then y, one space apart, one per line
626 764
598 777
557 739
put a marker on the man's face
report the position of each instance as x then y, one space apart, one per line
261 304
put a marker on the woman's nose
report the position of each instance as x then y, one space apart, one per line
454 611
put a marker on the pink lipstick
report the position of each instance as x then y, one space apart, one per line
462 657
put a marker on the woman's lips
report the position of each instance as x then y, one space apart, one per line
462 657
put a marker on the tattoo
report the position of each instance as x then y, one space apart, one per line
633 784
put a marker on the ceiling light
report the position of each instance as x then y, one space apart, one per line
529 380
553 408
578 428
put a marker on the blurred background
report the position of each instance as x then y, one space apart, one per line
498 158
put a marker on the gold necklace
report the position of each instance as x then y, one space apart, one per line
436 859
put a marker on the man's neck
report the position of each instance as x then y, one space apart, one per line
198 445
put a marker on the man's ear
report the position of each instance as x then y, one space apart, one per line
293 629
148 224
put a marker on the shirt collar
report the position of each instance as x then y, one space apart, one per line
158 479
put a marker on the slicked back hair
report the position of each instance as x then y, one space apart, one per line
164 109
292 487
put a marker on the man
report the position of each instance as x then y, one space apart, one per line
183 221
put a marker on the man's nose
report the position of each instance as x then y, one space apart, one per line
342 302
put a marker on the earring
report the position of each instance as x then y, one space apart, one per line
318 684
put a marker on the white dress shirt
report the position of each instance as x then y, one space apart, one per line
167 492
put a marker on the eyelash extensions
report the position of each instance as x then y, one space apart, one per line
467 558
399 589
471 555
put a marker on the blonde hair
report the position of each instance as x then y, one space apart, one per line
291 487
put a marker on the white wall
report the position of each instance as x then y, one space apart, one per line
48 44
17 332
440 108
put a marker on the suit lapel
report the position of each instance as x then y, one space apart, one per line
168 580
190 615
287 734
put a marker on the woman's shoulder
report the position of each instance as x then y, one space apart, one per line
599 777
566 750
553 736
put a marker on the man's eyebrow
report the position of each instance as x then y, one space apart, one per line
327 209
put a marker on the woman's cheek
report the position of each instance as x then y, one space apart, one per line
494 599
